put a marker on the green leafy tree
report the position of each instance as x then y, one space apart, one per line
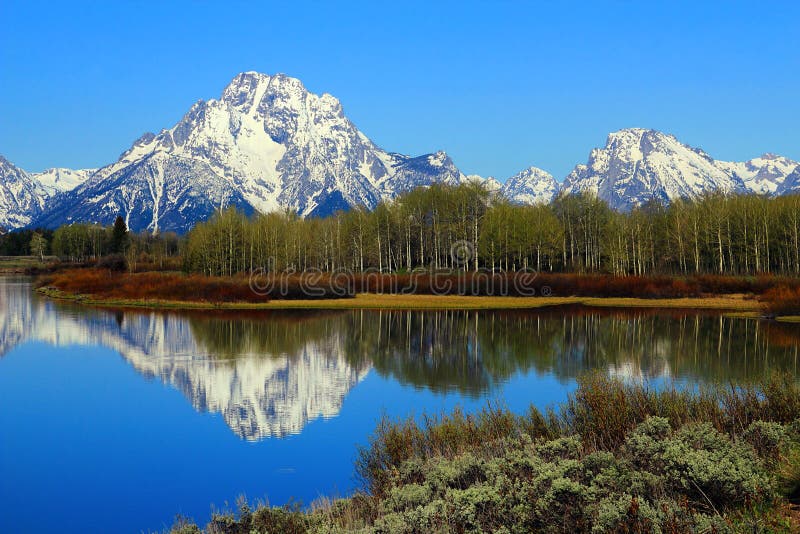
38 245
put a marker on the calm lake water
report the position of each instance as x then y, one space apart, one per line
115 421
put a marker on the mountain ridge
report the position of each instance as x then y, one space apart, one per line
267 143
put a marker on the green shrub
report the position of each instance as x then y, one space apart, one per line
767 438
626 513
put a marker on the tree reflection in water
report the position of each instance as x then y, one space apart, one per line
270 373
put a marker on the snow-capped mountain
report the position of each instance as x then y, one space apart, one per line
763 175
21 197
269 144
490 183
155 192
531 186
266 144
638 165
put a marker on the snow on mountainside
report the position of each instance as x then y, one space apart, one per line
531 186
21 198
266 144
638 165
269 144
55 181
490 183
24 196
791 184
156 192
763 175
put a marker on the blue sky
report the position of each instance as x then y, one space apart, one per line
499 85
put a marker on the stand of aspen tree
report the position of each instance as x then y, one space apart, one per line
723 234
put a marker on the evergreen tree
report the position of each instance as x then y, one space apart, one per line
119 236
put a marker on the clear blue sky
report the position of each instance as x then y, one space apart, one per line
500 86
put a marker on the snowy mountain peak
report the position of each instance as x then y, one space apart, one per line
639 165
530 186
439 159
267 144
762 175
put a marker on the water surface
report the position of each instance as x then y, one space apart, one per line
118 420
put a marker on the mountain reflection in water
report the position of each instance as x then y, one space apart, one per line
270 373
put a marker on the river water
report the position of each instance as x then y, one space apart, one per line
116 421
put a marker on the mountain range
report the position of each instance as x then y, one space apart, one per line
269 144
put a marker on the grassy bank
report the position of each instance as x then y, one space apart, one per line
24 264
373 291
613 458
734 303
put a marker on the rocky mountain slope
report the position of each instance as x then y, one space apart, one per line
24 196
790 184
763 175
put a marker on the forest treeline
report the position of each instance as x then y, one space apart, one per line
83 242
468 228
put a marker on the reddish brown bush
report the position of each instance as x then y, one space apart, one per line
780 291
783 300
153 286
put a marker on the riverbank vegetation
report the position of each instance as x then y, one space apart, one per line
418 290
615 457
108 285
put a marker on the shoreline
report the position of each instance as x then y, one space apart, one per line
746 307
